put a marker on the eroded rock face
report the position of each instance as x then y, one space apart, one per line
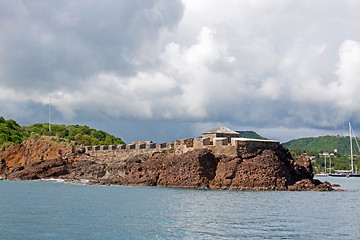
43 169
263 171
304 168
32 151
310 185
259 170
192 170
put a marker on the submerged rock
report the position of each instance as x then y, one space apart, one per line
310 185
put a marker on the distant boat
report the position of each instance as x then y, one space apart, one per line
351 172
322 175
354 175
338 175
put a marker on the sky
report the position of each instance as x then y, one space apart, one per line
163 70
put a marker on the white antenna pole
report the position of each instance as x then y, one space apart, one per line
351 151
50 115
357 144
325 163
330 165
354 136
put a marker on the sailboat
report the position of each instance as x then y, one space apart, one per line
351 172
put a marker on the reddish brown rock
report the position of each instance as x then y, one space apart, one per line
310 185
258 170
193 169
304 168
264 171
34 150
44 169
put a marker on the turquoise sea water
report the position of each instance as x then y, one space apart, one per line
53 210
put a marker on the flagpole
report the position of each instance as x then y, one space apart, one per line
50 115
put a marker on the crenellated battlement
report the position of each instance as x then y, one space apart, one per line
222 145
124 147
128 150
219 145
220 140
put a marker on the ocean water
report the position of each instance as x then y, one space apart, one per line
55 210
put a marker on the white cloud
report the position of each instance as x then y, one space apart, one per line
347 86
261 64
270 89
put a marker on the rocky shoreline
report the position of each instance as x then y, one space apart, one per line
261 170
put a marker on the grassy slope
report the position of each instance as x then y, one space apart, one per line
250 134
315 145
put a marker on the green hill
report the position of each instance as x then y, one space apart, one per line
250 134
11 133
323 144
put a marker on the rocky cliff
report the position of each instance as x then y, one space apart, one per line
259 170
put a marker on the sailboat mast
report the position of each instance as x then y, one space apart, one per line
351 150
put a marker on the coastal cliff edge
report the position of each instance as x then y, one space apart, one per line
262 169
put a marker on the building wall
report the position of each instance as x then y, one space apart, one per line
219 146
217 135
124 151
253 146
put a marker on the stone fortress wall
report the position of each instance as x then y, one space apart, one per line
218 145
128 150
222 145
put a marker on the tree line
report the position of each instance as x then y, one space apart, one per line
323 144
11 133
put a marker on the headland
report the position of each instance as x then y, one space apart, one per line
217 160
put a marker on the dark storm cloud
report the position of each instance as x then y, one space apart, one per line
50 44
170 69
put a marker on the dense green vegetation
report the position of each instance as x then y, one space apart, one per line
338 161
314 146
12 133
323 144
250 134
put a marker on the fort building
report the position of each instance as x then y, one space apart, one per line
220 140
220 132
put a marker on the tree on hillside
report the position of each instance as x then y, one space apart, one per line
12 133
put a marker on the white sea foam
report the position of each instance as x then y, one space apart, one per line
51 179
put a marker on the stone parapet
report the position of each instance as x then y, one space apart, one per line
124 151
219 145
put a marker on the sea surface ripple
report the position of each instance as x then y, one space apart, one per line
58 210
